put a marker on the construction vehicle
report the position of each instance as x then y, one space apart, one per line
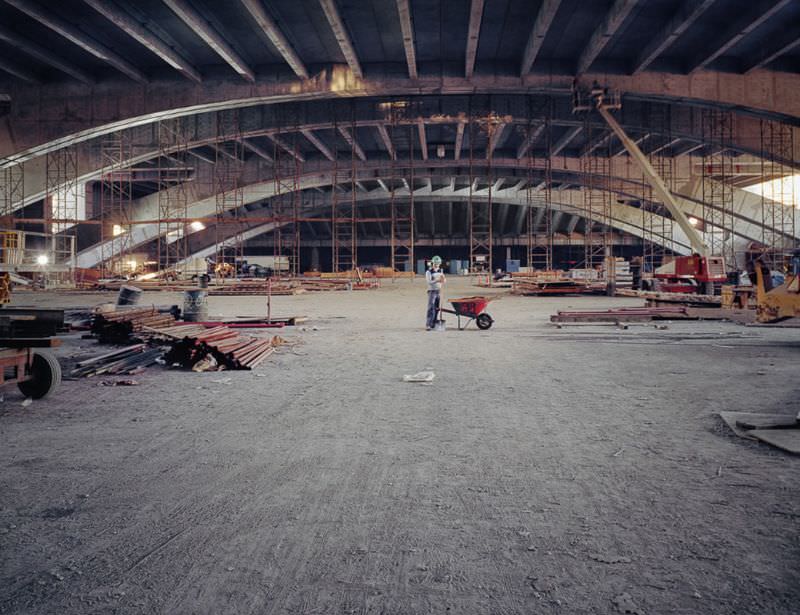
687 274
779 303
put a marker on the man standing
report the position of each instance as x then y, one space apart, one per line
435 279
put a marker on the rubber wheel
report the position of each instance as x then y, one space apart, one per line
45 375
484 321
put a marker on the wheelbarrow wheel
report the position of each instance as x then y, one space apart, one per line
44 375
484 321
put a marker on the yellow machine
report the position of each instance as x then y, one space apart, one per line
779 303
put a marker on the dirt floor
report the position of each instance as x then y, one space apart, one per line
574 470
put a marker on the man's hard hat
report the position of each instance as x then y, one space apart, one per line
437 260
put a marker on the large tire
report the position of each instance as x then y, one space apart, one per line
45 375
484 321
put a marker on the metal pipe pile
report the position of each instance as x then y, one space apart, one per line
128 360
203 349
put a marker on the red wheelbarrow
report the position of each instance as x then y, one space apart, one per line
471 308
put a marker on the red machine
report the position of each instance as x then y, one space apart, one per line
688 274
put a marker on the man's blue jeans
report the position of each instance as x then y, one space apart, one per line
433 308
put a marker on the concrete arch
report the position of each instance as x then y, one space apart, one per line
101 110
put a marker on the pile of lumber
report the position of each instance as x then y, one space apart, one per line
657 298
624 314
218 348
534 286
128 360
119 326
256 287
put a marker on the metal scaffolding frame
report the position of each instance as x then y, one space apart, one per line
596 205
717 173
402 212
778 197
657 224
344 212
12 190
286 204
173 136
116 195
229 194
539 238
480 213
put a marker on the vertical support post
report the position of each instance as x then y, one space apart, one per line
172 196
228 192
116 194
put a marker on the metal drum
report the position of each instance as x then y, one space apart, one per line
195 305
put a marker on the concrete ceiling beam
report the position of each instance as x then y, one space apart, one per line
612 22
495 138
77 37
387 141
317 142
459 141
44 55
275 36
407 28
529 140
351 141
547 11
423 141
739 27
342 37
257 150
286 147
687 14
785 43
142 35
202 28
565 140
18 71
473 35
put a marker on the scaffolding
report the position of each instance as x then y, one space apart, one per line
539 199
173 139
116 194
12 192
229 194
657 224
778 197
597 236
286 204
344 211
480 213
401 212
717 173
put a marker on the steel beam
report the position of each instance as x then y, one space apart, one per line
785 44
738 29
473 35
656 182
407 28
142 35
678 24
616 16
75 36
44 55
210 36
342 37
547 11
317 142
497 136
275 36
351 141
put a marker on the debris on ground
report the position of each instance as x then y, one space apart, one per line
119 383
128 360
779 430
419 377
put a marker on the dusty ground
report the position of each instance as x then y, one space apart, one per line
580 470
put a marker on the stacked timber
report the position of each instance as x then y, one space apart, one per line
217 348
546 284
662 298
119 326
624 314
